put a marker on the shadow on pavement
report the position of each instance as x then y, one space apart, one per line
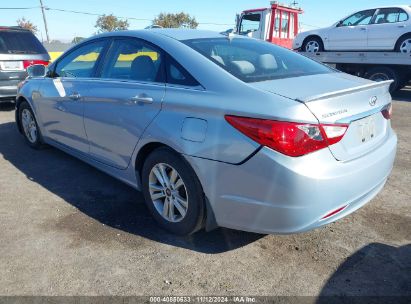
376 271
103 198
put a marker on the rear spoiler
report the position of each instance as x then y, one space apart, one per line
373 85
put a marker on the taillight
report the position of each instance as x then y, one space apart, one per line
27 63
387 111
289 138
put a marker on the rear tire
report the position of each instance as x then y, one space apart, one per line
313 45
29 126
384 73
404 44
172 192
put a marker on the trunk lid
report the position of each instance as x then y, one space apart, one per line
341 98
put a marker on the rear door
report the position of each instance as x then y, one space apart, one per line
388 25
61 100
351 33
124 100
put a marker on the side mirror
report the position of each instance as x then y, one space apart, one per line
37 70
340 23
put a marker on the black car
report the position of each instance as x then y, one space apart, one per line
19 49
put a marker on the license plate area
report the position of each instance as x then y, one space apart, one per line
366 129
11 65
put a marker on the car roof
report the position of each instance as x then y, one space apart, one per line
403 6
13 28
178 34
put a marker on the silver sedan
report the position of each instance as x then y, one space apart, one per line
215 130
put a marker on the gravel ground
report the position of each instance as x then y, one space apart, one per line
68 229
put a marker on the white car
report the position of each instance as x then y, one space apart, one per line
377 29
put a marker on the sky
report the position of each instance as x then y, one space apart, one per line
217 15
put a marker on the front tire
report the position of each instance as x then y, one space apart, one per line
172 192
313 45
29 126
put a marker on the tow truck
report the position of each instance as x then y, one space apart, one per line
376 66
279 24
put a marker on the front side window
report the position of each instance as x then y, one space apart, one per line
134 59
252 60
390 15
360 18
80 63
250 23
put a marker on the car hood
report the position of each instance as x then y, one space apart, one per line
305 87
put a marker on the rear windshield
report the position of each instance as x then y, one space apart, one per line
252 60
20 42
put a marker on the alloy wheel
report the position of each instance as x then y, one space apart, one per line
168 192
312 47
406 46
29 126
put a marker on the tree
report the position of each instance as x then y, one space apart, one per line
24 23
77 40
110 23
175 20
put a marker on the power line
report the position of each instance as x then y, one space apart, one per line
121 17
19 8
96 14
93 14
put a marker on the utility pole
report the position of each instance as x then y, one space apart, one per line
45 22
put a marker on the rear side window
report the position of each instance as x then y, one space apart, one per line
81 62
134 59
20 42
390 15
177 75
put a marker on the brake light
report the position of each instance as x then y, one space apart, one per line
289 138
27 63
387 112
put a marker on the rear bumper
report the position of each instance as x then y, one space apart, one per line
9 82
273 193
7 92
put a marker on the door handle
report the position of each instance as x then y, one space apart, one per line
74 96
142 98
363 28
401 26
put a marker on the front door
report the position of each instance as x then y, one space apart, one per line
124 100
61 100
351 34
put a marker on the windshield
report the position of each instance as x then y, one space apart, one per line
252 60
20 42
